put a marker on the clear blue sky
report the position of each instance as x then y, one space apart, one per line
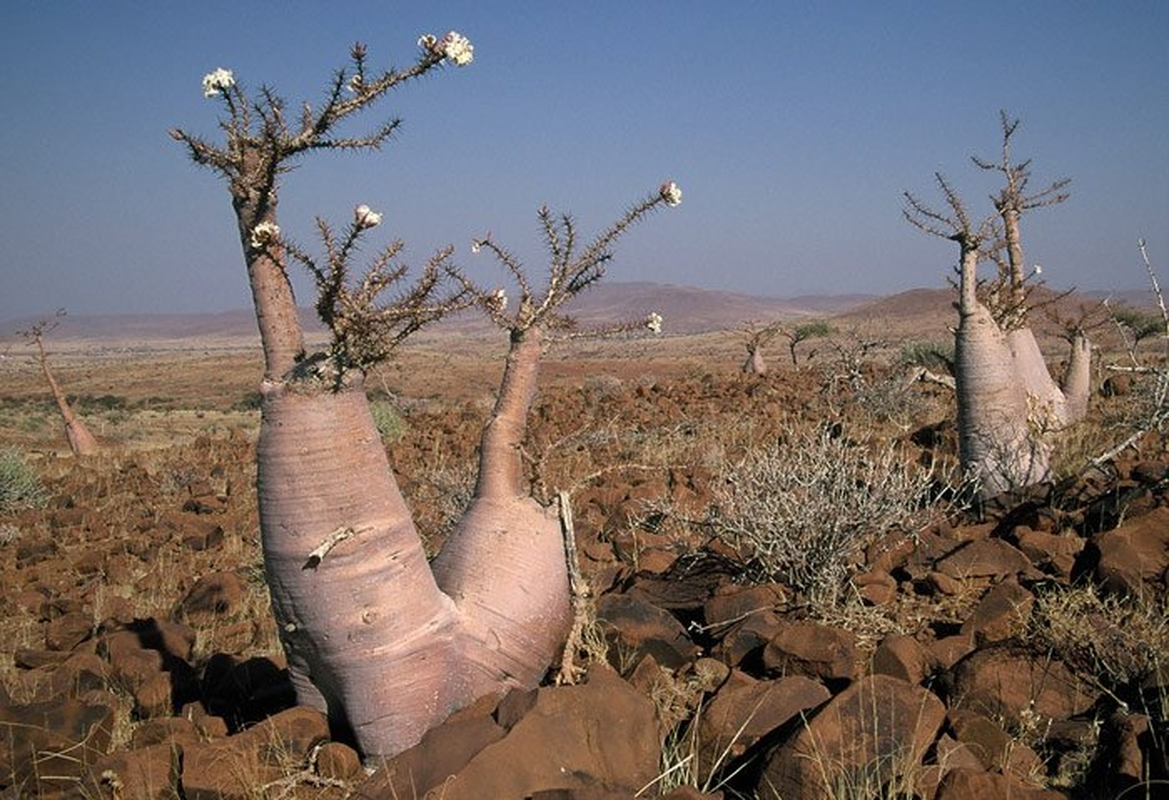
792 128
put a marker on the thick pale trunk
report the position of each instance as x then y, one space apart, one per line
368 635
1077 380
996 442
1047 401
1054 406
505 564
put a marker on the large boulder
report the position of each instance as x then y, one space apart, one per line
876 730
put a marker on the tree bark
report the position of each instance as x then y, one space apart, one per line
996 442
505 564
1077 380
369 637
81 441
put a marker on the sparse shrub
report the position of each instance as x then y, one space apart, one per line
390 425
802 511
932 355
1120 641
20 486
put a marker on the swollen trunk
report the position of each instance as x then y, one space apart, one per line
505 563
369 636
996 441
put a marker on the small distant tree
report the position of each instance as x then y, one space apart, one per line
1008 403
1135 326
801 333
375 637
81 441
758 336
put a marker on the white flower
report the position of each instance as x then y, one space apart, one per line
366 217
264 233
1038 270
355 84
670 193
476 245
454 47
217 82
654 322
499 300
457 48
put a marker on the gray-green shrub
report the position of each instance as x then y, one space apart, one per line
20 486
802 511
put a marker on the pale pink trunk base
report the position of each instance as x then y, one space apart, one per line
376 643
1077 380
505 564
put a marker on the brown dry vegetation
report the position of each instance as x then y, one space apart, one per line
641 432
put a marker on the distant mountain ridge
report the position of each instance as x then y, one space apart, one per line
684 309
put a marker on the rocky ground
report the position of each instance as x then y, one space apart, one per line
1012 651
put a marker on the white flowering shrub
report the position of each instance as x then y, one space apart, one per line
802 511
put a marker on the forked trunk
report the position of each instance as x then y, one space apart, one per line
368 635
996 442
505 563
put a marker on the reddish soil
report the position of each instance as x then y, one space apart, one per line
139 659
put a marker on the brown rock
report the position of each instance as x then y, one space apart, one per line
337 761
637 627
745 709
811 649
214 597
1001 614
1054 551
748 636
949 650
986 558
144 773
443 752
733 603
1137 552
68 630
969 784
598 735
1002 683
903 657
46 747
879 725
876 587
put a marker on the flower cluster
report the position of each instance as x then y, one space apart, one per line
454 47
654 321
217 82
264 234
671 193
498 301
365 217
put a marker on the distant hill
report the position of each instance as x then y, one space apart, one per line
684 310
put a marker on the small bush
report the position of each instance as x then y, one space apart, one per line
802 511
390 425
20 486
